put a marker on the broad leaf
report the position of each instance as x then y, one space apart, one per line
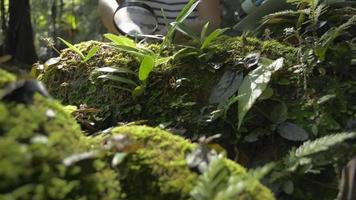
118 158
120 40
253 86
186 31
215 34
203 32
164 60
137 91
279 113
292 132
115 70
131 50
91 53
73 48
226 87
121 88
146 67
187 10
52 61
118 79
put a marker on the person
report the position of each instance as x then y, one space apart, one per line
206 11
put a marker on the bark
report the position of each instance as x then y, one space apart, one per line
19 40
3 15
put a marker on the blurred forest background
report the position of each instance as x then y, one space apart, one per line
74 20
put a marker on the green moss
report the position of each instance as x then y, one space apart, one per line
162 162
5 78
70 82
34 140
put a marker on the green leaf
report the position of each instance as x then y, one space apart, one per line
116 70
121 88
253 86
146 67
73 48
118 79
137 91
326 98
91 53
267 94
131 50
292 132
212 181
187 10
288 187
203 32
322 144
279 113
187 31
215 34
118 158
120 40
226 87
164 60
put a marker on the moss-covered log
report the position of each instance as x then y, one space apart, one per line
317 99
44 155
70 81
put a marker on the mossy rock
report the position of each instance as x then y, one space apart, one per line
159 167
44 155
70 81
34 140
5 78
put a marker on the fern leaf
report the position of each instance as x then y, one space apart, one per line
322 144
212 181
332 34
238 188
283 16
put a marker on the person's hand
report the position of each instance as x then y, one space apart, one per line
107 9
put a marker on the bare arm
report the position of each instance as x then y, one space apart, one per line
209 11
107 9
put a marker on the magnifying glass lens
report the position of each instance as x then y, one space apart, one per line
135 20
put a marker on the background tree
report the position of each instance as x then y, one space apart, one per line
19 39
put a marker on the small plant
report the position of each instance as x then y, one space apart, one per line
203 42
218 183
182 16
148 61
312 157
85 58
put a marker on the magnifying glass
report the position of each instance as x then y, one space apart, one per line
135 19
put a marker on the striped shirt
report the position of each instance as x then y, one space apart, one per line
171 9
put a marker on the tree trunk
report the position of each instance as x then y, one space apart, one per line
3 15
19 41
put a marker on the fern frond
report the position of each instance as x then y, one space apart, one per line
333 33
317 12
309 3
282 16
322 144
284 13
238 188
212 181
